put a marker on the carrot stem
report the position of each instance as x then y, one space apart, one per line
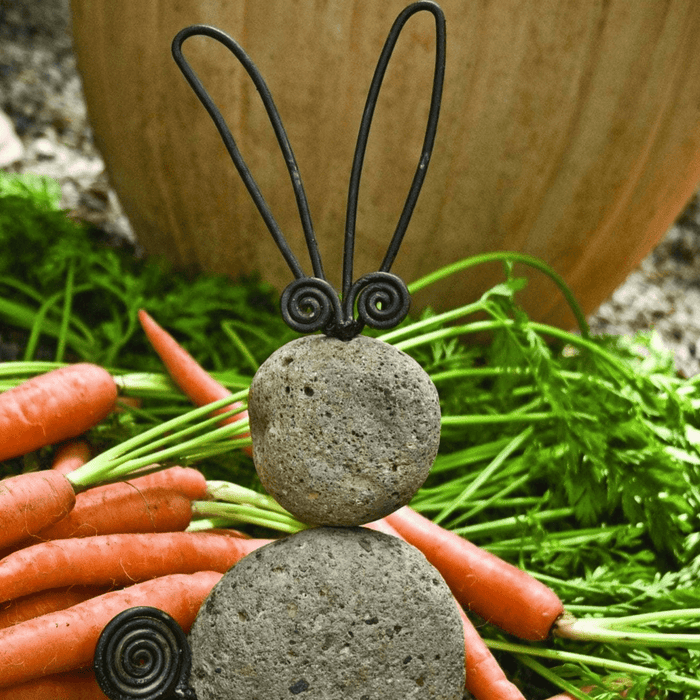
147 385
573 657
552 677
20 286
65 316
242 347
439 319
157 385
235 493
507 256
25 317
202 524
496 498
240 513
469 455
188 451
37 325
496 526
102 467
626 630
154 446
496 418
29 367
485 474
498 324
572 539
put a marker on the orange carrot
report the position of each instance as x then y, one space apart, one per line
70 456
72 685
53 407
199 386
66 640
383 526
188 481
157 502
29 502
36 604
118 559
120 508
484 677
482 582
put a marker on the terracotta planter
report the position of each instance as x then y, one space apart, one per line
570 131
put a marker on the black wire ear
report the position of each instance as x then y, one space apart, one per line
232 148
311 304
366 123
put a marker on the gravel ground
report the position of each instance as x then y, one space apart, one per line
41 93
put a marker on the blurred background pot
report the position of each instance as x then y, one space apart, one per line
569 131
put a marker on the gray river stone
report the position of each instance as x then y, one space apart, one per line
325 614
344 432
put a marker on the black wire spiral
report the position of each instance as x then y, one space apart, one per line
143 654
310 303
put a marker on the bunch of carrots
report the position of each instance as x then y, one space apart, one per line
75 551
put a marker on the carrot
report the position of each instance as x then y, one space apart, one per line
188 481
157 502
195 382
482 582
118 559
29 502
70 456
383 526
36 604
120 508
484 678
53 407
72 685
138 505
66 640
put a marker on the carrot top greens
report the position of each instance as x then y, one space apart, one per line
572 456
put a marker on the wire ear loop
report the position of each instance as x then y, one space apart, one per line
143 652
310 303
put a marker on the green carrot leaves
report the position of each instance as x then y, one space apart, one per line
575 457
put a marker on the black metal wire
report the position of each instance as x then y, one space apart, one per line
143 654
366 123
310 304
232 148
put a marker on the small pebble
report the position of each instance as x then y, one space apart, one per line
344 432
11 148
330 613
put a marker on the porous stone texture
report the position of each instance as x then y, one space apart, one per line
325 614
344 432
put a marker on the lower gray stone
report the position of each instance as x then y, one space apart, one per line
330 614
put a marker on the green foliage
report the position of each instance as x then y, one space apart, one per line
40 247
574 457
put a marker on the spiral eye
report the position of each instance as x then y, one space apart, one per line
143 654
309 304
382 299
